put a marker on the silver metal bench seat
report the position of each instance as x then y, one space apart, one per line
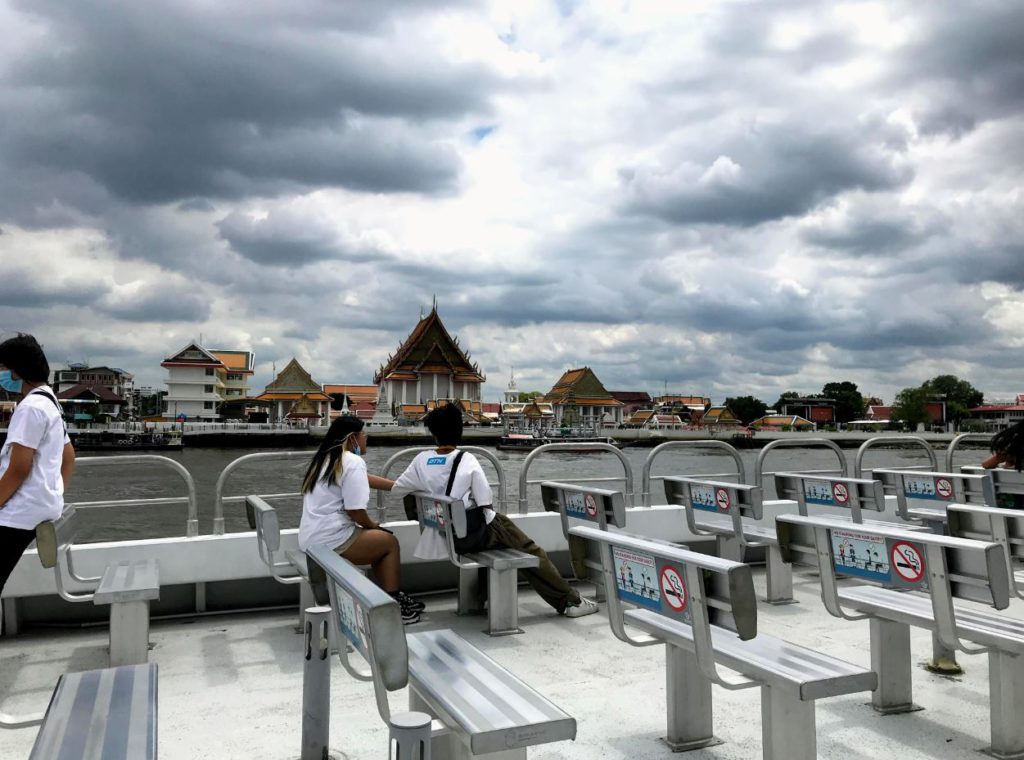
128 587
769 660
107 714
985 628
494 710
502 559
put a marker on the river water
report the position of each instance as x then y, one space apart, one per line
284 476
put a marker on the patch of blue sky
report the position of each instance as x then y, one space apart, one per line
481 133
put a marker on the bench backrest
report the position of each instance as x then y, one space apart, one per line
597 506
1004 481
439 513
936 487
263 518
852 495
370 619
732 500
693 590
54 537
1004 526
945 567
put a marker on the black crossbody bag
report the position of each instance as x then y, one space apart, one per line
476 525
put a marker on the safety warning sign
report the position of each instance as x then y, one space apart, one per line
907 562
673 589
575 504
917 487
819 492
703 497
591 505
635 578
943 488
347 613
860 554
840 493
722 499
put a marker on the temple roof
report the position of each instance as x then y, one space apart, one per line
430 349
580 387
293 379
192 355
235 361
304 407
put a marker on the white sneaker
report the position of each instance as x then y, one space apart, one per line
583 607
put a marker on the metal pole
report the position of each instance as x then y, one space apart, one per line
316 685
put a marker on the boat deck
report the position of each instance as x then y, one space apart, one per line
231 686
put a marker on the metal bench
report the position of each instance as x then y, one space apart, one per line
128 587
478 707
502 565
107 714
938 489
923 573
1004 526
725 510
703 609
847 498
599 507
1005 482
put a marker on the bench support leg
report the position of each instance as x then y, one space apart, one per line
9 615
779 578
890 659
787 726
448 745
943 659
129 633
502 602
316 684
729 548
306 601
469 602
1006 692
688 697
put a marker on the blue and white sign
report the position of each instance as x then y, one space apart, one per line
859 554
703 497
349 617
575 505
635 578
916 487
819 492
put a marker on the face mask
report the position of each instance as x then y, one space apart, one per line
356 450
8 383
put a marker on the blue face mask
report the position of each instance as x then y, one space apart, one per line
356 450
8 383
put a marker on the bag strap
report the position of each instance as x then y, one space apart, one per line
451 478
56 403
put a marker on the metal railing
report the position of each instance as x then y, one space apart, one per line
955 443
524 483
191 522
502 484
858 466
219 499
646 479
759 472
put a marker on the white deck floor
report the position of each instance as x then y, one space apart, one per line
230 687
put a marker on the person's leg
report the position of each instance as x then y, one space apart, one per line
545 579
13 543
380 550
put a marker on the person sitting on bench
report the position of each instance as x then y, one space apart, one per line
335 493
486 529
1008 451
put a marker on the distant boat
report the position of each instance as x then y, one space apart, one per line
119 440
527 441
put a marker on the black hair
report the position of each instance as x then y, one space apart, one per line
1010 443
23 355
445 424
332 450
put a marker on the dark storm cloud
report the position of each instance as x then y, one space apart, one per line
875 229
157 303
286 239
160 103
765 173
35 290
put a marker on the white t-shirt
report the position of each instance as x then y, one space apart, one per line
324 509
430 471
36 424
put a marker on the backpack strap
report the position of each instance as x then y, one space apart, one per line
55 402
451 477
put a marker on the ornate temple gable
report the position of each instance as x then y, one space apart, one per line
580 386
305 407
192 355
430 348
293 379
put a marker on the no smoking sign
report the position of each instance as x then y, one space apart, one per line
722 499
840 493
907 561
672 588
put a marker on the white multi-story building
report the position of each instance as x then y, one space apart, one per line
199 380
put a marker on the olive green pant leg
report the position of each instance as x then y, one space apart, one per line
545 579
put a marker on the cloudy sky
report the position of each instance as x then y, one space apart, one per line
714 197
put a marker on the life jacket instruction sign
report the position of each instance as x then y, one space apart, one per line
930 488
433 514
860 554
826 493
347 612
703 497
579 505
635 578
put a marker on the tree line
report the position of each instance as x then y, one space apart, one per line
910 405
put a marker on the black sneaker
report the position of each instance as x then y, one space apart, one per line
409 617
408 603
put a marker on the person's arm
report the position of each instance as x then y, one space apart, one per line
362 518
17 472
407 482
67 463
995 460
379 483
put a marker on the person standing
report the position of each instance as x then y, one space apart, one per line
335 494
431 471
37 458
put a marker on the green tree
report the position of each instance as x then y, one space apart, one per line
911 406
746 408
529 396
849 401
777 406
960 395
